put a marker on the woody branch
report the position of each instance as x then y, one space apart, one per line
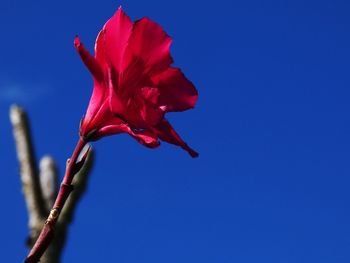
40 187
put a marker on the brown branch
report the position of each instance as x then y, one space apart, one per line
66 217
28 172
49 185
48 180
40 191
46 236
80 184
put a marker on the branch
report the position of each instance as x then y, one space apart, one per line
80 184
40 191
49 186
48 180
28 172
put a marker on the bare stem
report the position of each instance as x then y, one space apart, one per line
47 232
28 171
54 251
48 180
40 188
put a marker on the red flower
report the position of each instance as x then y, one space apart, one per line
134 85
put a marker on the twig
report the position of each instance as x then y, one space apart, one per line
28 172
49 185
40 191
48 180
80 184
74 164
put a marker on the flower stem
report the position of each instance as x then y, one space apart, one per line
47 232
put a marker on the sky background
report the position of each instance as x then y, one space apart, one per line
272 126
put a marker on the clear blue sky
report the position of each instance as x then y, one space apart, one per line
272 126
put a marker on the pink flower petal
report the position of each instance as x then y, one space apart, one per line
166 133
150 44
99 90
117 31
100 50
150 112
150 94
96 101
89 61
177 93
144 137
115 102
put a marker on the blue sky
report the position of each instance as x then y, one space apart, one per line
272 125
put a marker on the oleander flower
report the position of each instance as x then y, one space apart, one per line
134 83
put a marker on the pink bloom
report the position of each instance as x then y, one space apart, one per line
134 84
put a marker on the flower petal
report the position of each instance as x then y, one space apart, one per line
150 44
117 31
177 93
150 112
116 105
100 50
150 94
96 100
89 61
144 137
99 90
167 133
